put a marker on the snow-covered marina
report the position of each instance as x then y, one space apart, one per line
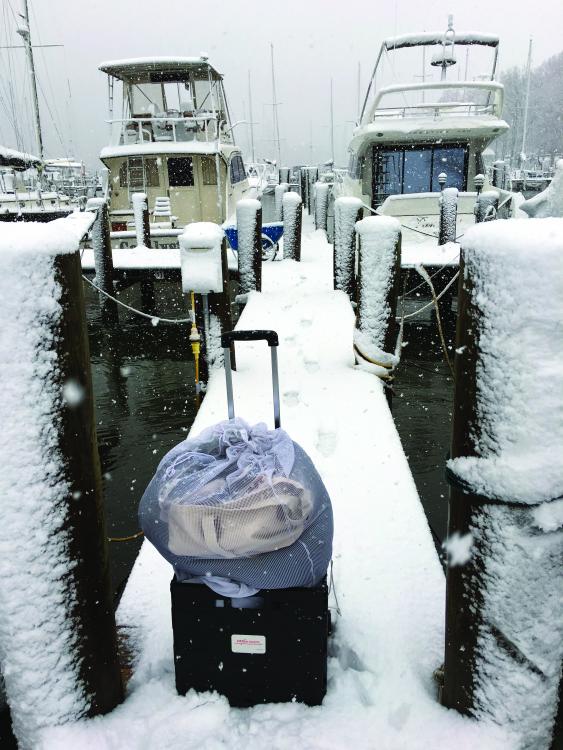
383 653
173 576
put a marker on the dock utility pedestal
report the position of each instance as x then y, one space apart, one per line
274 650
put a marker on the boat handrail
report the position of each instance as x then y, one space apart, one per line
491 86
143 130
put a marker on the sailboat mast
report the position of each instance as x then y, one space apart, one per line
525 126
25 34
251 119
275 110
331 124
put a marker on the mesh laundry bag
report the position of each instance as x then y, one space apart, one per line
243 504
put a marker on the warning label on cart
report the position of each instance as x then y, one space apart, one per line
248 644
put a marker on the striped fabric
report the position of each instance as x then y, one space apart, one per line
205 481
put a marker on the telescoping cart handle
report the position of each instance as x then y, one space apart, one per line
271 337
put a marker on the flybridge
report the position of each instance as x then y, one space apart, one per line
166 99
473 93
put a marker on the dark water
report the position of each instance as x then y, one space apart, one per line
422 410
143 377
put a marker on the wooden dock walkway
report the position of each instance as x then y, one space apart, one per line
388 581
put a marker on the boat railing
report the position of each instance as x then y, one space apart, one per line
492 93
168 128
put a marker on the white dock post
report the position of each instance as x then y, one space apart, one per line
504 608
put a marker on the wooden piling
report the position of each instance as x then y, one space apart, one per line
377 302
283 174
142 223
103 258
292 221
486 206
448 215
56 590
321 204
347 212
249 232
312 177
303 185
504 619
279 192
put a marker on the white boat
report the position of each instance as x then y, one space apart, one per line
410 133
24 194
171 138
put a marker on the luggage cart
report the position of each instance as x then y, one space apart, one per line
269 648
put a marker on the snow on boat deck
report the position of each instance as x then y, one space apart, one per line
389 583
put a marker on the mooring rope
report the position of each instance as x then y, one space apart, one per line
126 538
434 300
155 319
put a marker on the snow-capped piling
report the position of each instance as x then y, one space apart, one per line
486 206
378 286
303 185
500 176
312 177
347 212
283 174
292 221
321 204
448 215
141 216
103 258
279 192
504 611
249 233
205 271
58 651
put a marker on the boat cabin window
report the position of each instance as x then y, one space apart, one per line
238 172
209 170
181 171
399 170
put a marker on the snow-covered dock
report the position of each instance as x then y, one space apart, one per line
388 581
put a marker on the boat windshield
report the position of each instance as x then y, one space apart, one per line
403 170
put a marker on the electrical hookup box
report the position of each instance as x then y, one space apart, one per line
274 651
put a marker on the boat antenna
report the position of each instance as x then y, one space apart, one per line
527 102
275 110
25 34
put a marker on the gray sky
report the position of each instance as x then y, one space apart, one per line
313 42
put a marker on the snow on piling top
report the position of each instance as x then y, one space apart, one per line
200 257
291 199
201 234
44 238
516 273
